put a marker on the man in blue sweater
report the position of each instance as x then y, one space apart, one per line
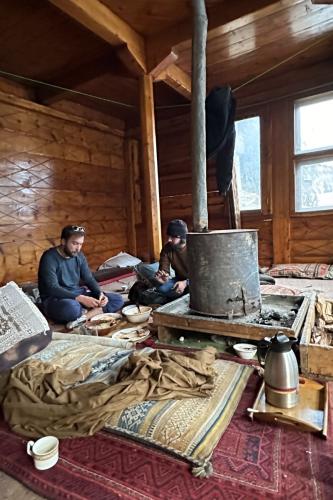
63 279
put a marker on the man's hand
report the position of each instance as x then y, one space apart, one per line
88 302
162 276
180 286
103 300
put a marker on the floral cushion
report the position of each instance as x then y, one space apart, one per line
312 271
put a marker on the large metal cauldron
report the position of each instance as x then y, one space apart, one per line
224 273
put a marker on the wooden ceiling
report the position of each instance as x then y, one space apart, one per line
102 46
276 33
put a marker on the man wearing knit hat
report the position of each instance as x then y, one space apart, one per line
171 279
174 254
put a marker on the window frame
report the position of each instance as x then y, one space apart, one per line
314 155
256 113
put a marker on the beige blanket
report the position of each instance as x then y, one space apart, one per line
324 309
43 399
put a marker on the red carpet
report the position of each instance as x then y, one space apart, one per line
252 461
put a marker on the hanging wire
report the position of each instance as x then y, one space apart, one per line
305 49
169 106
72 91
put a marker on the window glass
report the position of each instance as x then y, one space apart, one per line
314 124
247 162
314 185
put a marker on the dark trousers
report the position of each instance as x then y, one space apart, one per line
65 310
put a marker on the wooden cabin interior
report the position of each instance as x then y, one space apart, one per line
95 122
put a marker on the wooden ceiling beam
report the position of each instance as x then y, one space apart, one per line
170 59
130 47
99 19
177 79
230 15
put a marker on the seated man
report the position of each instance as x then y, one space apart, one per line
169 284
63 270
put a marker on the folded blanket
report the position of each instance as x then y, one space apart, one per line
43 399
324 308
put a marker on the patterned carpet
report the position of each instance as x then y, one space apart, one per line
252 461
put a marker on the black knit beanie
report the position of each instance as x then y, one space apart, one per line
177 228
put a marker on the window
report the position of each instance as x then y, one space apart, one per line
247 162
313 153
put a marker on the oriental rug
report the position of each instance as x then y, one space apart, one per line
251 461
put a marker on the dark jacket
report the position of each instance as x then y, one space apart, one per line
175 258
220 134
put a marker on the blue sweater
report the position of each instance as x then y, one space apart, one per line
60 277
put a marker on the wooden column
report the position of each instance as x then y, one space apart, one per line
148 139
131 159
282 127
198 117
233 198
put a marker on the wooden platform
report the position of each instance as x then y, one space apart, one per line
176 318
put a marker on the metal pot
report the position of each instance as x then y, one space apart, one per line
281 372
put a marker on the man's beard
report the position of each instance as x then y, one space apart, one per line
68 252
178 246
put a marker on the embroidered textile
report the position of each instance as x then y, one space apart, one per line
19 317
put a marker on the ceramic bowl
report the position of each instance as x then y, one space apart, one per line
245 351
133 315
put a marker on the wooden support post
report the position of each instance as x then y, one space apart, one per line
235 216
198 117
131 157
148 134
282 119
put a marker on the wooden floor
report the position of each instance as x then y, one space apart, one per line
10 488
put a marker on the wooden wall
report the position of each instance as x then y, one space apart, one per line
284 236
174 164
57 169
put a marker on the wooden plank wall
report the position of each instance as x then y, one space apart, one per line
284 236
57 169
173 140
174 163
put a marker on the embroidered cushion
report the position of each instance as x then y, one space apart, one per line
312 271
189 428
23 328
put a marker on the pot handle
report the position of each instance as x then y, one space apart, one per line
263 344
29 447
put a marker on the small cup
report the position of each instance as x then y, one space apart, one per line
45 452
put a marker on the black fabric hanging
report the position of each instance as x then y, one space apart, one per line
221 134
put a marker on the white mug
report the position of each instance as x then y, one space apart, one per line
45 452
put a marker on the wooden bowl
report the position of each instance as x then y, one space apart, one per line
101 327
